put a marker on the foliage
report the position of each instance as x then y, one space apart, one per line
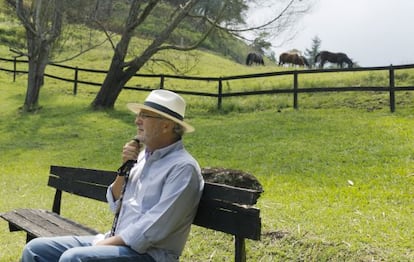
190 30
311 53
260 44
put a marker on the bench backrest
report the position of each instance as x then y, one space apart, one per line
223 208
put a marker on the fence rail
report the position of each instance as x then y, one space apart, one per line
220 94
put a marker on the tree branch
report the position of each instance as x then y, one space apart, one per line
202 38
22 14
150 6
180 13
262 26
81 52
20 53
107 34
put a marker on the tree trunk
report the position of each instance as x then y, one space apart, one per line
113 84
110 89
115 79
38 60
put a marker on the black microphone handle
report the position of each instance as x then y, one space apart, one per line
126 167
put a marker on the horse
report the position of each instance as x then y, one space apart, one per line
293 58
305 61
335 58
254 58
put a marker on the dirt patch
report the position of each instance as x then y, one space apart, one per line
231 177
274 235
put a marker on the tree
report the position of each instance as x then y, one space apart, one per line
310 54
42 20
43 23
260 44
194 12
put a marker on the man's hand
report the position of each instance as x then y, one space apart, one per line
112 241
130 151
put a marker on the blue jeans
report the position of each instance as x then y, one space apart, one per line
79 249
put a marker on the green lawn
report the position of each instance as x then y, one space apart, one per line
338 179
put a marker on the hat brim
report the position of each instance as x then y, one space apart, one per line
136 108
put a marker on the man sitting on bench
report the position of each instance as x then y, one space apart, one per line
154 197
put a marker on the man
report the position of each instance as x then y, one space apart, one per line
158 203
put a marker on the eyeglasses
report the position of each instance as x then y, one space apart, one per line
144 116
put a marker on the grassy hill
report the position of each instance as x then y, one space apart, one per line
337 173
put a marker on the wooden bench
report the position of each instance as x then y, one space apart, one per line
223 208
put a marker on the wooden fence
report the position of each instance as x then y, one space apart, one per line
295 89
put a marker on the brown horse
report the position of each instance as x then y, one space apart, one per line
293 58
335 58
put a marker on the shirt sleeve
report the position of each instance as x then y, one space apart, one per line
110 198
174 212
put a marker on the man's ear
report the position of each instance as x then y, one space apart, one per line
167 126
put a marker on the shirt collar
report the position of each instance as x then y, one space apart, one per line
160 153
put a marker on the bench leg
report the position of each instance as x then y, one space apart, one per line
240 246
29 237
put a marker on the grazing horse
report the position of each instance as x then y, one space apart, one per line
305 61
254 58
335 58
293 58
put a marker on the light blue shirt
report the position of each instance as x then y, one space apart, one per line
160 202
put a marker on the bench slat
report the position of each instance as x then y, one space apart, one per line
44 223
97 192
85 182
92 176
229 218
230 194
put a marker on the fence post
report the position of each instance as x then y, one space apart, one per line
295 90
220 94
162 82
75 82
14 69
392 89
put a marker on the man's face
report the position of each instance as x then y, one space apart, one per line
149 126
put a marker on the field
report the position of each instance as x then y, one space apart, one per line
338 173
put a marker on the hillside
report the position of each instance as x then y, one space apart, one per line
226 45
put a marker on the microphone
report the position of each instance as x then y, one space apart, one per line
126 167
136 140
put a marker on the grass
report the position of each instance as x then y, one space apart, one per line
338 180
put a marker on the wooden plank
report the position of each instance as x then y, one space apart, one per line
92 191
229 218
92 176
84 182
230 194
45 223
21 223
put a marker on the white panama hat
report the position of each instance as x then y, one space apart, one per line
166 103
